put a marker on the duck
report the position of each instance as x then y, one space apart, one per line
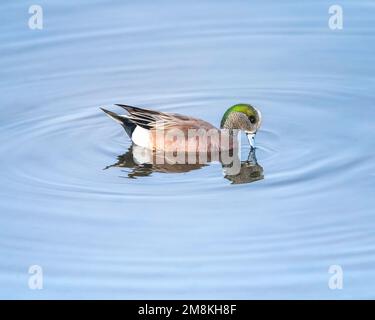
142 126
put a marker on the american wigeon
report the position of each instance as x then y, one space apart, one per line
143 126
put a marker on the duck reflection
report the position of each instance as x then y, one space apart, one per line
142 163
250 171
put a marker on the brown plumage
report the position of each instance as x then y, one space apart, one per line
175 132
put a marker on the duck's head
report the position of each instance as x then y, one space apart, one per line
243 117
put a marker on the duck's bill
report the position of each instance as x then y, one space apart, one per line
251 138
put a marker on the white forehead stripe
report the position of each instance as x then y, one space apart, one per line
260 117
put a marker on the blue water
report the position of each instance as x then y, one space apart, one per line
100 234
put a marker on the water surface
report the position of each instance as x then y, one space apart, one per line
139 233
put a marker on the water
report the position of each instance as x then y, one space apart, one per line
140 233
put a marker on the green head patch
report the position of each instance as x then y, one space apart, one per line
247 109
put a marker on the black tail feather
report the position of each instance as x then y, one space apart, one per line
125 122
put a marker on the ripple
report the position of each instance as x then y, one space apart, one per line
86 141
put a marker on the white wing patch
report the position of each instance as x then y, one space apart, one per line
141 137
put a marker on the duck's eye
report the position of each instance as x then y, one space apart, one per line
252 119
